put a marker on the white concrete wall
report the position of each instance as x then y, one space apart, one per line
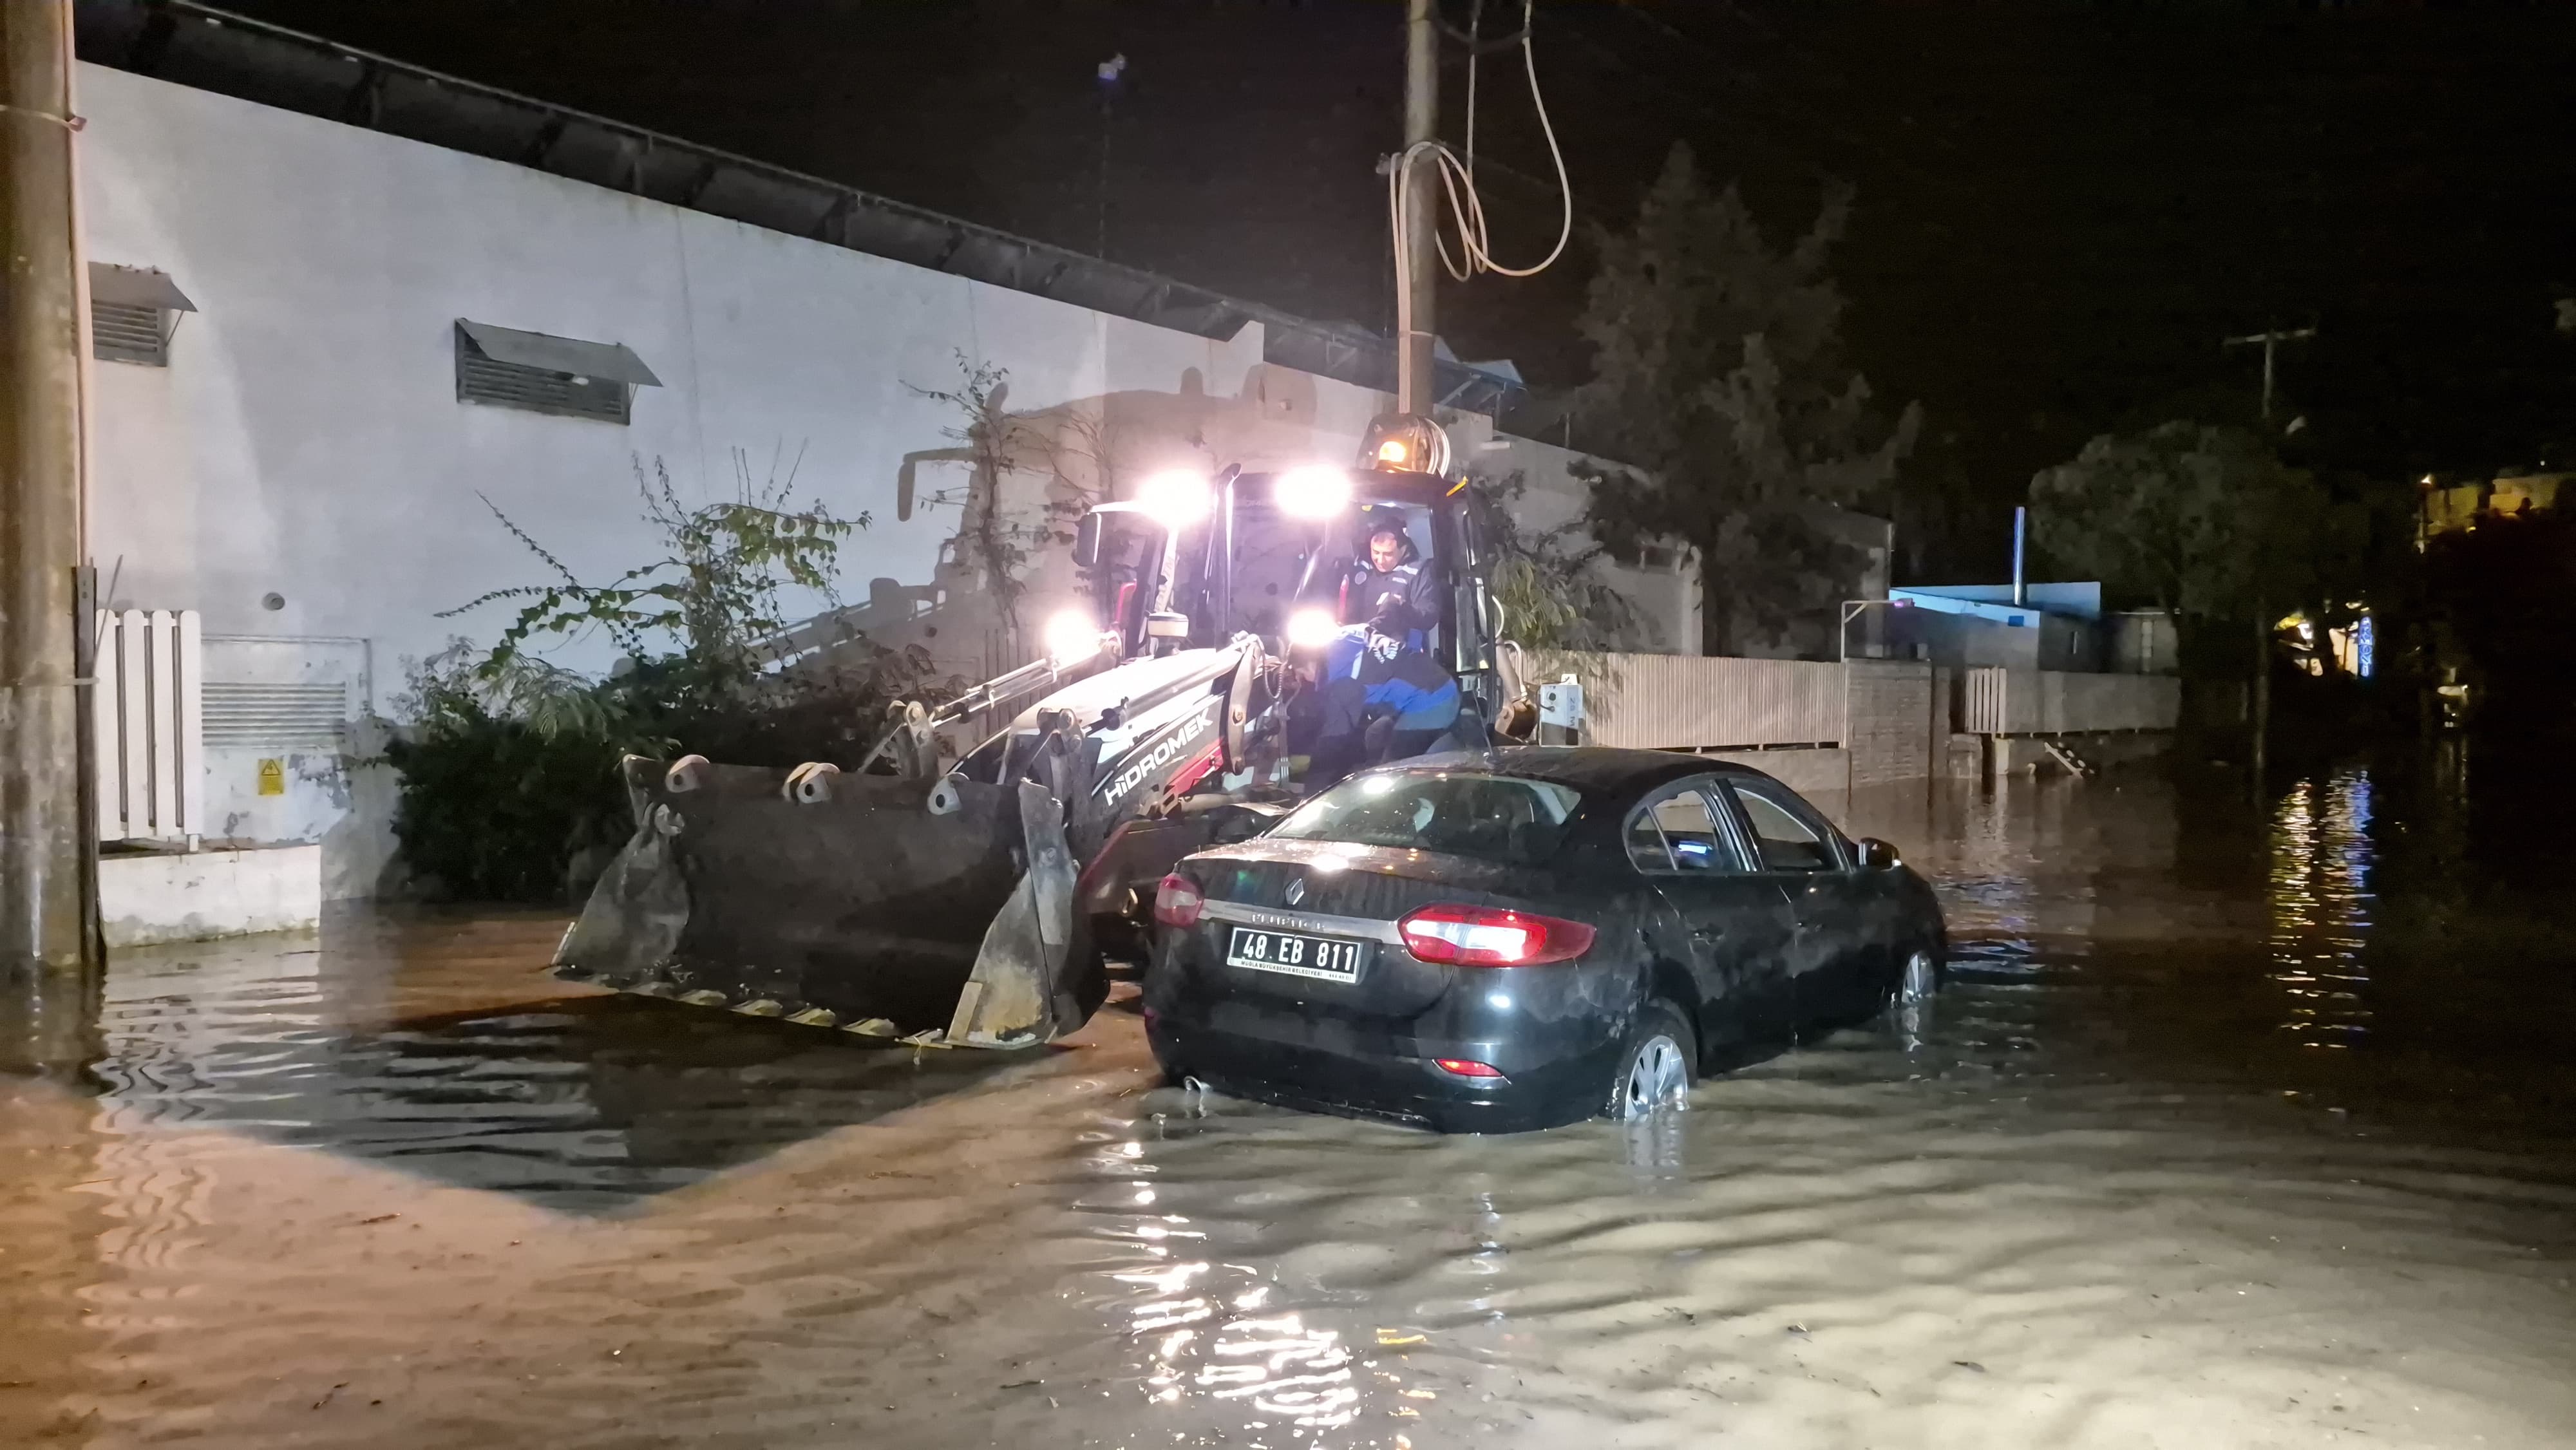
306 438
151 897
306 441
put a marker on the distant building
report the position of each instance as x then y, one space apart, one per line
2056 627
2450 507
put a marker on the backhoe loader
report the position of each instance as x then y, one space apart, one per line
971 902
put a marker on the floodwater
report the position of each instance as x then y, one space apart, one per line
2236 1127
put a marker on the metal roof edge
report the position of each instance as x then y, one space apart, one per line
143 37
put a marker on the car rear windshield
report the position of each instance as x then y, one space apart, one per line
1461 813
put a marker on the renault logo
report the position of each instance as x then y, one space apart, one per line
1296 892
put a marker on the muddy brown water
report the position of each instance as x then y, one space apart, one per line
2233 1128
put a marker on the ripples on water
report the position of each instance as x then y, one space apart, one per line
2232 1128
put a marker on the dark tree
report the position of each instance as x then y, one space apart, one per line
2204 521
2195 519
1719 382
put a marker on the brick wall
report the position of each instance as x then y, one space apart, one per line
1897 730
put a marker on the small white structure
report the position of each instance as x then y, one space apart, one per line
158 880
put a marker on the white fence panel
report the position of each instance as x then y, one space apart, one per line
148 717
1692 702
1983 713
2060 702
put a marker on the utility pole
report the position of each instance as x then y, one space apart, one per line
47 831
2259 706
1112 72
2271 341
1420 263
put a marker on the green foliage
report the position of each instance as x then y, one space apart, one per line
504 779
2205 521
993 443
1551 599
509 765
1718 377
707 607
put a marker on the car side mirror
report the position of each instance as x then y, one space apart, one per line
1877 855
1086 542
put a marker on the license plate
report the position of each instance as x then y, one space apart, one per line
1324 958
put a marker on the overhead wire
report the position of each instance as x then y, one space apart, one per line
1458 180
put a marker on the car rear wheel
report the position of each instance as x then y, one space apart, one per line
1655 1072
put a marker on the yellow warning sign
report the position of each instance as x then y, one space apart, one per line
272 777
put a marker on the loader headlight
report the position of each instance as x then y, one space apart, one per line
1314 492
1072 637
1175 499
1312 628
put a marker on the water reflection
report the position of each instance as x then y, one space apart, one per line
2096 1197
580 1103
2321 905
1212 1336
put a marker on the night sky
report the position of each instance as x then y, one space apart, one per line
2062 208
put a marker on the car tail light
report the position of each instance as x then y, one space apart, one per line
1461 1067
1177 901
1485 936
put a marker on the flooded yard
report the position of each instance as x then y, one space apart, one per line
2235 1127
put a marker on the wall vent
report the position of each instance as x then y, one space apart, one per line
261 715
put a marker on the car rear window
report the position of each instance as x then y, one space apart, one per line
1460 813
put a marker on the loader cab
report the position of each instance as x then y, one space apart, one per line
1194 562
1122 553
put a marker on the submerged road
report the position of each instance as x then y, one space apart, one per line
2237 1127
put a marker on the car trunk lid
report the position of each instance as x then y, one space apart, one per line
1339 893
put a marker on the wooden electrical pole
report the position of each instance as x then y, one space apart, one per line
47 846
1419 266
2271 341
2259 705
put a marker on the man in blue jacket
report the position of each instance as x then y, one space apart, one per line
1369 674
1388 587
1378 668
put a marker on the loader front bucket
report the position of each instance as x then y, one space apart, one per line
884 905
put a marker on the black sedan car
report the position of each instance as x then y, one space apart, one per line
1518 938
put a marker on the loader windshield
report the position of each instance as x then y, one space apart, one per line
1455 812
